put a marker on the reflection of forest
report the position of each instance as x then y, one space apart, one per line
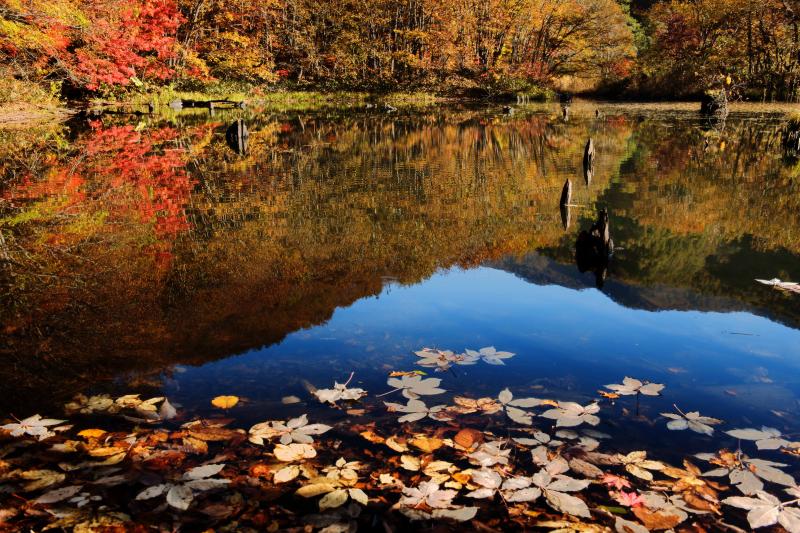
131 246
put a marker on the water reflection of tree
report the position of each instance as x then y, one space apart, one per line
184 250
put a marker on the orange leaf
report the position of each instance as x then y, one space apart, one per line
92 433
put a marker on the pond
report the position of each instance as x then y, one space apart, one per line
150 255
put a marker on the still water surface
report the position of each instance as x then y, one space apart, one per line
151 257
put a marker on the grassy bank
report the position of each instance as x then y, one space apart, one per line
22 102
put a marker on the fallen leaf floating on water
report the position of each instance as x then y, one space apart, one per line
399 373
447 474
619 483
766 510
691 486
781 285
225 402
466 406
442 360
92 433
35 426
414 386
426 444
289 400
744 472
512 407
571 414
416 409
181 495
541 442
555 486
286 474
289 453
130 406
428 495
628 499
765 438
40 479
692 420
639 465
468 438
340 392
345 472
661 511
490 454
337 486
295 430
631 386
489 355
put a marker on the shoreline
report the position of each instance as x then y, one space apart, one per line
19 115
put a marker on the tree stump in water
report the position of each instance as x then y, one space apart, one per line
566 193
237 137
588 161
791 138
594 247
714 102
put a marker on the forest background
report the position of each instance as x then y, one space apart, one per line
54 51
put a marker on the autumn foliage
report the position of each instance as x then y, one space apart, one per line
480 47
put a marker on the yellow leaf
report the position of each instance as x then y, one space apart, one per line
426 444
225 402
398 444
106 451
372 436
92 433
409 462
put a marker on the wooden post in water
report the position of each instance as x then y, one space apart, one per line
237 136
588 161
566 193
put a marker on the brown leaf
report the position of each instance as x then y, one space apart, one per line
655 520
215 433
468 438
696 502
193 445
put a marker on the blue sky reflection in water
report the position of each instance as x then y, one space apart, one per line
736 365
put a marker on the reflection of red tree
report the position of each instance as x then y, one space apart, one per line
152 164
59 182
128 175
